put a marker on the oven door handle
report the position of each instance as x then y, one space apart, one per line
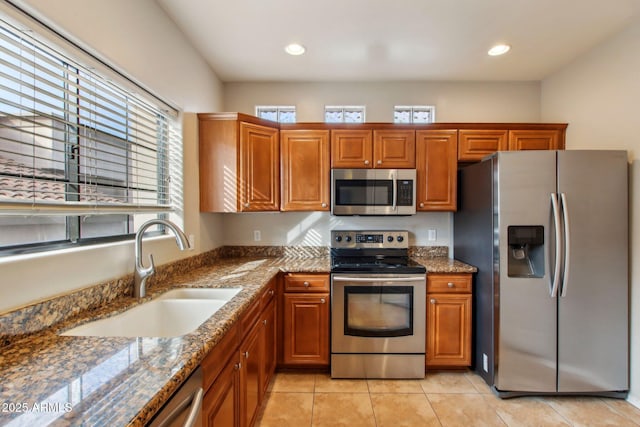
377 279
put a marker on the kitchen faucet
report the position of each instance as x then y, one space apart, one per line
141 273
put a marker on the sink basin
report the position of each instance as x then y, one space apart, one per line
173 314
201 293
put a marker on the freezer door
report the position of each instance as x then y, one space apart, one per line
593 306
526 311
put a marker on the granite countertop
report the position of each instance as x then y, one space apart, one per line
66 380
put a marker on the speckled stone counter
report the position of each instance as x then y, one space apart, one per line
64 380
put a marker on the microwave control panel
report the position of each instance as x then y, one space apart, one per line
404 192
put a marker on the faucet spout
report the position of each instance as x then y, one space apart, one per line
142 273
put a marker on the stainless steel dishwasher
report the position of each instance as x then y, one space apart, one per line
184 408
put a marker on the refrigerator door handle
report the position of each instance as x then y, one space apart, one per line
567 244
556 270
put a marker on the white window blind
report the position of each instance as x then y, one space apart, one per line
73 142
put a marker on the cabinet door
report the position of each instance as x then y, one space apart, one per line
436 170
394 149
534 139
306 329
351 148
259 184
448 330
220 405
268 320
474 145
305 170
251 360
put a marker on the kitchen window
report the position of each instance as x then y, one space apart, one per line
344 113
414 114
84 156
277 113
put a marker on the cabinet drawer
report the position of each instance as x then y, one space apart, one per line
306 282
268 294
449 283
214 362
250 317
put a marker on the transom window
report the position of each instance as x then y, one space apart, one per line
414 114
277 113
344 113
82 157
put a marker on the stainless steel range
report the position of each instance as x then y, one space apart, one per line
378 299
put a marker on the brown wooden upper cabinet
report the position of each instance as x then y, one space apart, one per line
366 148
305 169
475 144
437 166
534 140
239 163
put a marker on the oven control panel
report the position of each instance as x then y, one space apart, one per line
351 239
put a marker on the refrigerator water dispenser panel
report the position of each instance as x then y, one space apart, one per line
526 251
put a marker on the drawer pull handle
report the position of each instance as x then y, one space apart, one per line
322 300
237 366
433 301
306 284
271 292
246 354
451 285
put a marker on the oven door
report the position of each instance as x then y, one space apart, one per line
378 313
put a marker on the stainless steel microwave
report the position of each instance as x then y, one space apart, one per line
373 191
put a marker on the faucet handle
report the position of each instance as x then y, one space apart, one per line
152 267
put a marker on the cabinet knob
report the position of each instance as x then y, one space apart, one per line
451 285
264 322
271 292
246 354
246 205
306 284
433 301
366 162
421 204
324 205
322 300
379 162
237 366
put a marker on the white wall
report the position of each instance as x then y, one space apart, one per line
143 42
454 101
598 94
313 228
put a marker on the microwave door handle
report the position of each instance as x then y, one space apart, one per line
394 190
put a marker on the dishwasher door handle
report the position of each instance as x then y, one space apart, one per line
195 401
196 408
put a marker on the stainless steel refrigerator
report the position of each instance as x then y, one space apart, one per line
548 231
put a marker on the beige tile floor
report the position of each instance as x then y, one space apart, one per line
440 399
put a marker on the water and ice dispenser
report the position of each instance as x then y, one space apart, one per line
526 251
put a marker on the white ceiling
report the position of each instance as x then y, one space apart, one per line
395 40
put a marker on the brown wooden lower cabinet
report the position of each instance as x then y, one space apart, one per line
238 370
220 403
305 320
448 320
251 360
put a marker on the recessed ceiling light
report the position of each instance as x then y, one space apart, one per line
294 49
499 49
